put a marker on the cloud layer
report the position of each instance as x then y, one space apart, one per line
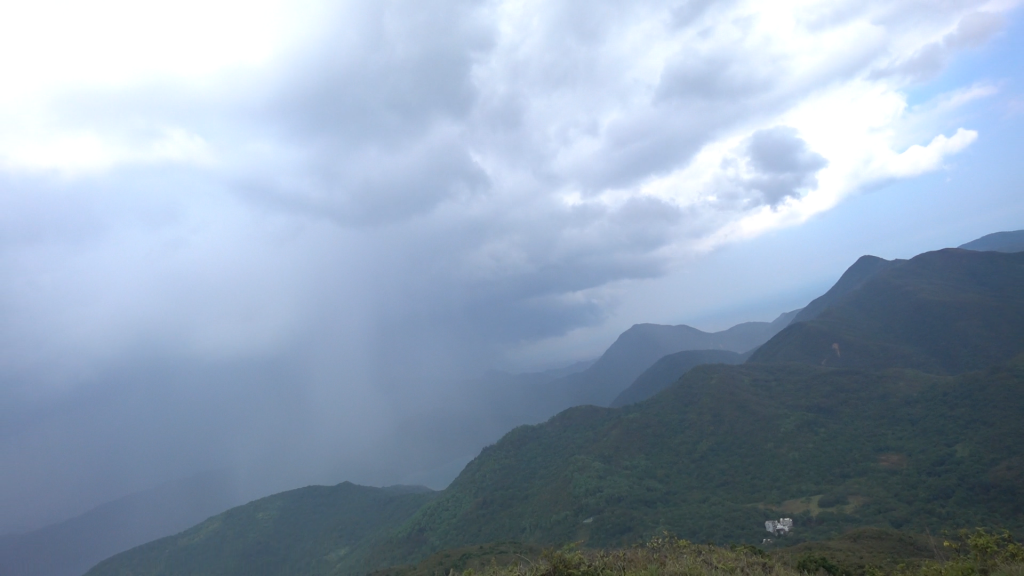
372 197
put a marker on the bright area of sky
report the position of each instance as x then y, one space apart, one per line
262 233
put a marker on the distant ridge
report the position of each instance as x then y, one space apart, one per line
998 242
669 369
638 348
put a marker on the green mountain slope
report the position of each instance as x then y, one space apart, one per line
312 530
729 447
943 312
855 276
886 437
669 369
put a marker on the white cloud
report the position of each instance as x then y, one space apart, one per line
543 148
75 153
60 44
919 159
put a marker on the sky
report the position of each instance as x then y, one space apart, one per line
259 235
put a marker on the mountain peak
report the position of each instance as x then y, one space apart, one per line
947 311
863 269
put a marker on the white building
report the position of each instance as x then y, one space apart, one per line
780 526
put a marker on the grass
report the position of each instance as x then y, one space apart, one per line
859 553
663 556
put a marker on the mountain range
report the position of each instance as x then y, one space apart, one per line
888 401
487 408
941 312
912 440
638 348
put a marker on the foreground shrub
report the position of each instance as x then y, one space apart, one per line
667 556
977 553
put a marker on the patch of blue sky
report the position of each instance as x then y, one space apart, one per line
978 191
997 62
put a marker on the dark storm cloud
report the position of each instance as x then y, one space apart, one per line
381 71
783 164
692 78
773 165
644 145
377 110
502 277
370 185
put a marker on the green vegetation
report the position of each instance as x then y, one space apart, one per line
729 447
469 558
894 441
662 555
942 312
864 552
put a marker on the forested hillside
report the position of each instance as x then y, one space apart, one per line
942 312
726 448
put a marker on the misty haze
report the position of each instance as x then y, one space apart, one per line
411 278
